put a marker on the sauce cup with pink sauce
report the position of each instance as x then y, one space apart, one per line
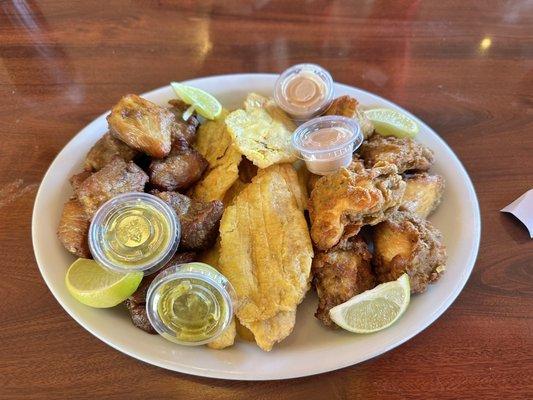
326 144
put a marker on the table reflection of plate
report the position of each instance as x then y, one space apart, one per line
311 348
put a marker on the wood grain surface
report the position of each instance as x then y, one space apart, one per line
464 67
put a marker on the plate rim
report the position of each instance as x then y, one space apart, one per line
227 375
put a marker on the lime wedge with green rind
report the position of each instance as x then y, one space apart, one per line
95 286
388 122
204 103
374 310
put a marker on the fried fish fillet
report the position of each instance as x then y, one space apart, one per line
266 253
216 145
347 106
408 243
423 193
339 274
341 203
115 178
262 132
73 229
142 125
107 148
405 153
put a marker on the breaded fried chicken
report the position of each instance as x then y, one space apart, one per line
407 243
405 153
347 106
341 273
115 178
341 203
423 193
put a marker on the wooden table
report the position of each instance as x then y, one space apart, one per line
464 67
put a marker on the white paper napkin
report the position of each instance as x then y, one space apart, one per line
522 208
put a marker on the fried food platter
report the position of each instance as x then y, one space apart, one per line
310 349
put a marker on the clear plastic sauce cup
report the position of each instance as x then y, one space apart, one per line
304 91
134 232
190 304
327 143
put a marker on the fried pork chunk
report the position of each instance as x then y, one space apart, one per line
199 220
341 203
341 273
423 193
107 148
142 125
115 178
186 129
73 229
347 106
408 243
180 170
76 180
405 153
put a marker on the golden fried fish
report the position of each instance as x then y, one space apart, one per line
262 132
268 332
266 252
347 106
423 193
142 125
214 142
341 203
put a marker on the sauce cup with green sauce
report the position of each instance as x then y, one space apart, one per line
190 304
134 232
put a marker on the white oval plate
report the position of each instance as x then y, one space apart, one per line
311 348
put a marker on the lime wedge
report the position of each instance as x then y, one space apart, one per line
95 286
389 122
375 309
204 103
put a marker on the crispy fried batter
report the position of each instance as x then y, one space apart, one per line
423 193
266 253
341 273
73 229
115 178
186 129
405 153
142 125
343 202
180 170
199 220
226 338
347 106
107 148
262 132
407 243
215 144
268 332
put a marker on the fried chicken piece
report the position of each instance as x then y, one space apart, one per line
139 316
341 273
405 153
115 178
341 203
77 179
107 148
73 229
142 125
408 243
199 220
186 129
347 106
423 193
180 170
139 296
